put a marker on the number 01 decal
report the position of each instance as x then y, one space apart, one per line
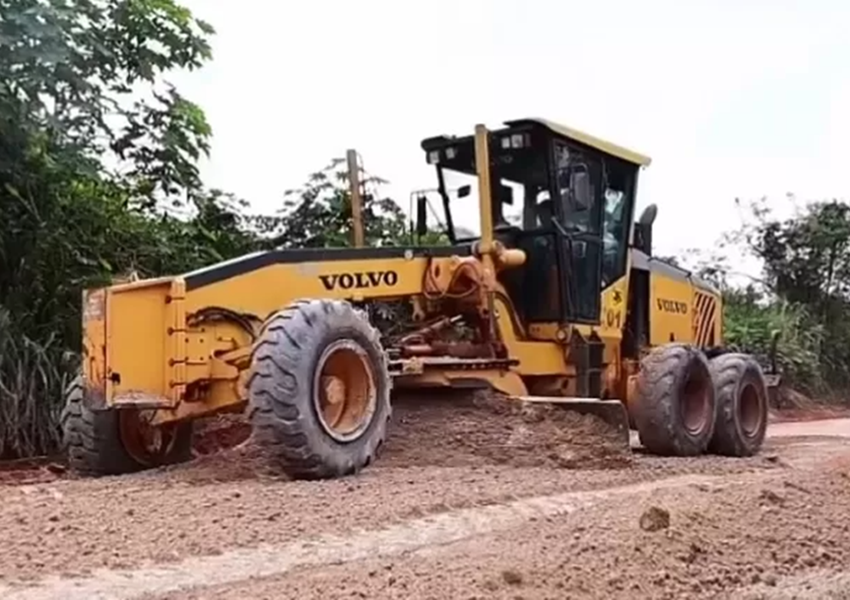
613 318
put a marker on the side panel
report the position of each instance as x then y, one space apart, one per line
613 315
145 348
263 291
670 308
682 307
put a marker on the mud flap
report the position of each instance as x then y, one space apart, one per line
612 412
772 382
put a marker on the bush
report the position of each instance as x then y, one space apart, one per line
33 375
749 325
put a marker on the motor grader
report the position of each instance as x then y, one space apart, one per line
561 302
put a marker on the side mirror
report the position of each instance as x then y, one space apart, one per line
464 191
421 216
643 229
647 217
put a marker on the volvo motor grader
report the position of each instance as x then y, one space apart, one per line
557 298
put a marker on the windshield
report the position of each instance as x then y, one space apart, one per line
465 214
519 183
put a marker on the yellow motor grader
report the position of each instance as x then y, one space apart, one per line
557 298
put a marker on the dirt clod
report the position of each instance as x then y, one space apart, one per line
772 497
512 577
654 519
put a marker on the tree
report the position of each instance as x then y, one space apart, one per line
69 69
86 178
803 291
318 214
806 258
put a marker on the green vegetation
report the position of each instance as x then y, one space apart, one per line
803 293
99 179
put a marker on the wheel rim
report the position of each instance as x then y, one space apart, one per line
696 405
749 410
344 390
147 444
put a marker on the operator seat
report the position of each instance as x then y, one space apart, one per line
504 231
545 214
543 277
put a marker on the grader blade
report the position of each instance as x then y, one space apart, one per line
613 412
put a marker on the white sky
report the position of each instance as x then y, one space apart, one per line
729 97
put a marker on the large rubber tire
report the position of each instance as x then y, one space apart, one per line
284 396
741 423
675 408
92 439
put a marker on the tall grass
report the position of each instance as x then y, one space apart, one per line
33 375
750 325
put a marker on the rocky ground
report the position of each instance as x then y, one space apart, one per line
473 502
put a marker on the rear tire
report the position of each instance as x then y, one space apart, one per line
676 407
741 391
319 390
93 443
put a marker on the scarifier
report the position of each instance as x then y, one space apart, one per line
557 298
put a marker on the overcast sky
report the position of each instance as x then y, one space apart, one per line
729 97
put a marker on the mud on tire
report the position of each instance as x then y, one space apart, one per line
675 408
741 392
91 439
302 354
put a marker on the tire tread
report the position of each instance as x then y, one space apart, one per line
280 387
728 370
663 372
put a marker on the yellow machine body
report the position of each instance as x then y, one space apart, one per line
180 347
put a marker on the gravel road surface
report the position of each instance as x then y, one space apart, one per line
480 504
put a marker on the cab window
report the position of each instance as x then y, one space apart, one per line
615 223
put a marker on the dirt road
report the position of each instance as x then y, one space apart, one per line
438 517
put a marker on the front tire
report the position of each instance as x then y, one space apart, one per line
741 423
676 406
319 390
109 442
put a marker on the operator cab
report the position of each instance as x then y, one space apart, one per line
564 197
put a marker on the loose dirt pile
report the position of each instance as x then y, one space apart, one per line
454 429
484 429
450 430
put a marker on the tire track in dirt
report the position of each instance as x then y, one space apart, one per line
267 561
707 541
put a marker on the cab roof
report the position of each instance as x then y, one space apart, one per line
625 154
586 139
